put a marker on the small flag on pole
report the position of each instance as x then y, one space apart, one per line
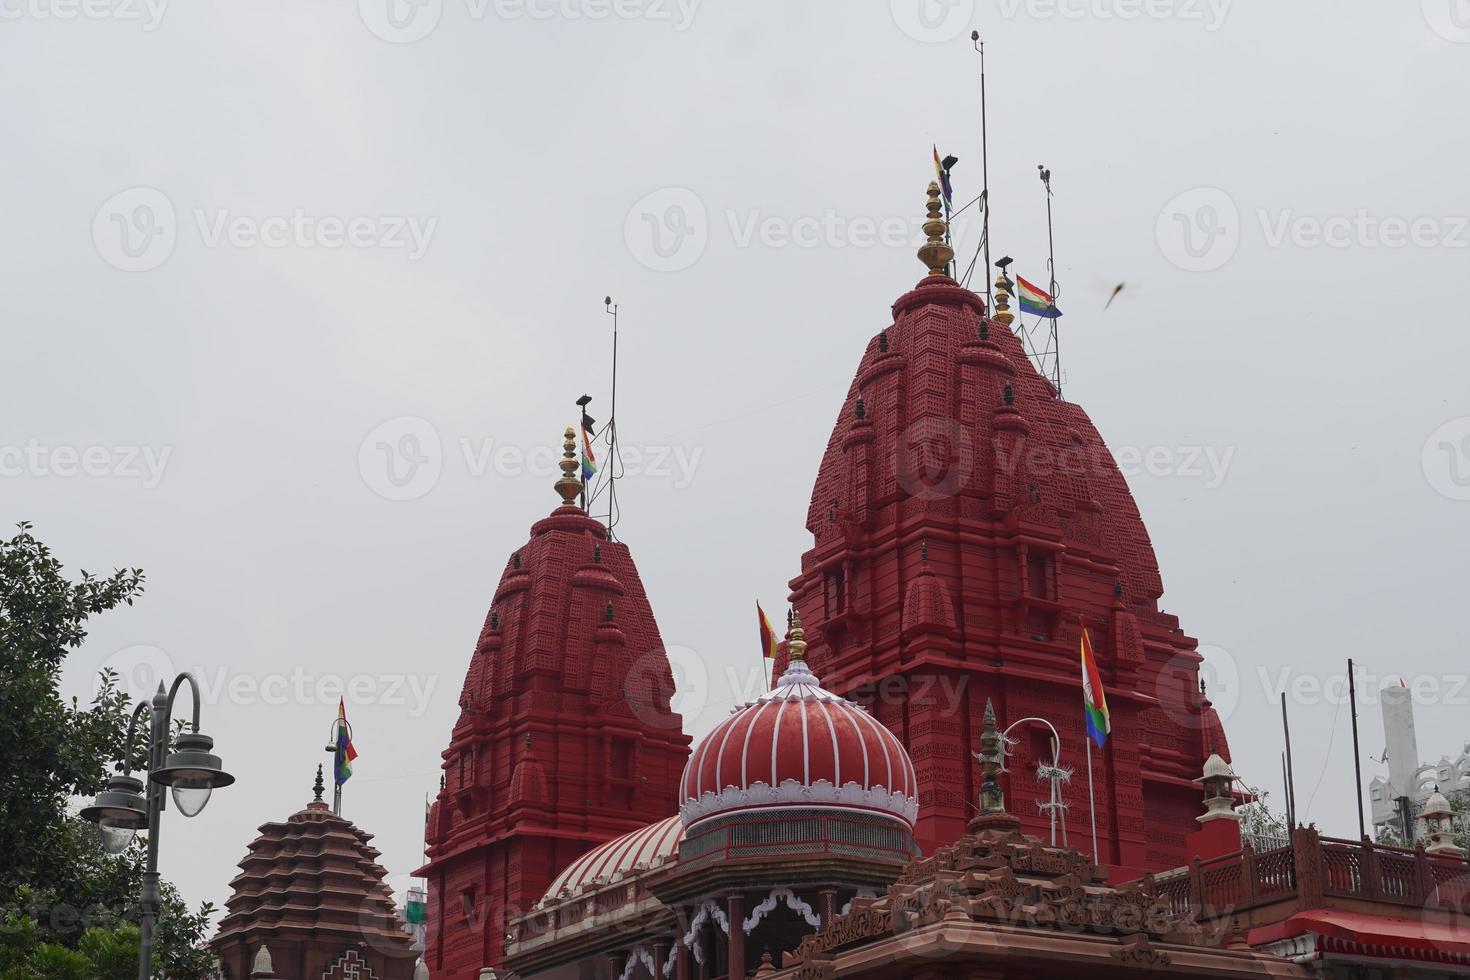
943 176
345 752
1037 301
768 635
1094 700
589 461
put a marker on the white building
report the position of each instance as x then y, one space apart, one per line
1407 776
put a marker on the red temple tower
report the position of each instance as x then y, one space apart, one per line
967 521
565 738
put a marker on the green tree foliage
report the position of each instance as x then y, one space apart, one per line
1263 827
66 903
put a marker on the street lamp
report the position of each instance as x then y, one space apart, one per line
127 806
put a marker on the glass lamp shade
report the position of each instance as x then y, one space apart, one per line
115 838
192 796
192 772
119 812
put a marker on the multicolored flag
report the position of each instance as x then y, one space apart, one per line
768 635
1037 301
345 752
943 176
1094 699
589 461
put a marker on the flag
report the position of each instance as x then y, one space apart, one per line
345 752
1094 700
589 461
1036 301
943 176
768 635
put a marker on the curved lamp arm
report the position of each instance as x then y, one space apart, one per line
174 693
142 706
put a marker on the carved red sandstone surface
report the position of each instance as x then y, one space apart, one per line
965 519
565 738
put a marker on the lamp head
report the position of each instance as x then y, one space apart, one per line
193 772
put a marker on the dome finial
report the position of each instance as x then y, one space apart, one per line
319 787
568 486
935 253
796 645
1003 285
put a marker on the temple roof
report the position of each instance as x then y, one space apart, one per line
644 848
312 878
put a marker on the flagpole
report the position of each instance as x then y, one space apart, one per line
1357 754
1091 803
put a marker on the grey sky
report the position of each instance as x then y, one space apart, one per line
262 358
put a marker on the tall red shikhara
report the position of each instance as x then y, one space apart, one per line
565 738
967 522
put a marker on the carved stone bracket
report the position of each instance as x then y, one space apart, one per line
774 899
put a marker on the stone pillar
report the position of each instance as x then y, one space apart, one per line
735 909
828 906
661 949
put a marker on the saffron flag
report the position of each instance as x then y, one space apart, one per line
345 752
589 461
1037 301
768 635
1094 700
943 176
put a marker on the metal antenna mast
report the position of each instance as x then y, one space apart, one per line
1051 266
984 172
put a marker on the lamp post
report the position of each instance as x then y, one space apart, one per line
129 804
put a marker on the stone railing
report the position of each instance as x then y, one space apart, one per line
1313 869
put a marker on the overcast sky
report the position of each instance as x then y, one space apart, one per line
249 246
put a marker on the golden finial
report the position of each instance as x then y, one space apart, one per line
936 252
568 486
796 643
1002 312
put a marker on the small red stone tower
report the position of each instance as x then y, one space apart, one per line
966 522
565 738
311 892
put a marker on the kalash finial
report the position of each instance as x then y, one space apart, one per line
1003 312
796 645
568 486
319 787
935 253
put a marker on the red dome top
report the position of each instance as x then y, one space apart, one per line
799 745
